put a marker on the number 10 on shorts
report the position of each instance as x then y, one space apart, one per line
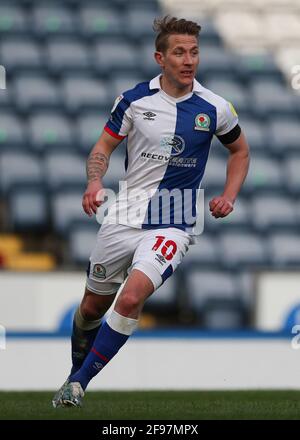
168 248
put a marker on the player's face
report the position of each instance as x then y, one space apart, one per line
181 59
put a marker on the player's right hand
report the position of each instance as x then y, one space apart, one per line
93 197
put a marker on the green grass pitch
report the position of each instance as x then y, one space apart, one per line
156 405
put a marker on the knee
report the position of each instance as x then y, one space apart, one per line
88 312
129 302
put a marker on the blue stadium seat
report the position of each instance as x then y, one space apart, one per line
98 20
81 240
85 93
148 66
53 20
292 175
239 219
223 314
12 131
20 54
255 66
215 58
284 135
204 253
66 209
138 22
273 211
264 173
67 55
244 249
88 128
231 90
28 210
255 133
34 92
215 174
111 56
272 98
49 130
19 168
203 285
164 297
116 172
13 20
285 249
64 169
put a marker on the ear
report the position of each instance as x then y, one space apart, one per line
159 58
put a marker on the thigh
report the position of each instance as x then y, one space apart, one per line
160 252
110 259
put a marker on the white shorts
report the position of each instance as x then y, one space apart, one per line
120 248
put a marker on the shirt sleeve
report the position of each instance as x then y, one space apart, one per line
227 118
120 121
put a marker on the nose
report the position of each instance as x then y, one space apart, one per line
188 59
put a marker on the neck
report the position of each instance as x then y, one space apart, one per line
173 90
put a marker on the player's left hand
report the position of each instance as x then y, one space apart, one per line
221 206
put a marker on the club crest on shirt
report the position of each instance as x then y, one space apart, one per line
99 271
202 122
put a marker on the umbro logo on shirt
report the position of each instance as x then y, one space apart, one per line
149 116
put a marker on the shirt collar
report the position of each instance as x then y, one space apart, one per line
155 84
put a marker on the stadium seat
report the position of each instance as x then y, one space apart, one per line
30 261
20 54
52 19
67 54
138 22
273 211
13 20
255 66
232 91
264 173
115 173
12 131
164 298
36 92
81 240
285 249
110 56
64 169
216 59
292 175
223 314
66 209
255 133
215 173
205 252
284 135
84 93
98 20
238 219
19 168
28 209
239 250
88 128
148 66
49 130
271 97
203 285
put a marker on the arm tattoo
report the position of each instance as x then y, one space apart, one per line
96 166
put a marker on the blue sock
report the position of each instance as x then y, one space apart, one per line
82 341
106 345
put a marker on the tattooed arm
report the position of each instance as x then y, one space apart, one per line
96 167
